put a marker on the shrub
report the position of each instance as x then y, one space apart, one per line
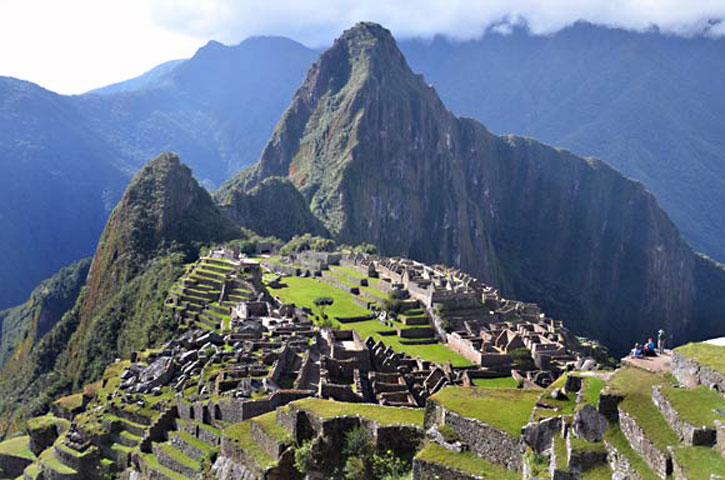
304 460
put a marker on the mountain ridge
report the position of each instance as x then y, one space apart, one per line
546 225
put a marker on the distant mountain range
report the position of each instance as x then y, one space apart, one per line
648 104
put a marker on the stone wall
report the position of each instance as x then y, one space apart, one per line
691 374
487 442
620 465
423 470
267 442
658 460
689 434
172 463
720 437
609 405
13 466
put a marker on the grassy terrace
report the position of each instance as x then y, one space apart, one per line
696 406
556 407
239 434
615 436
466 462
303 291
502 382
636 386
381 415
17 447
699 462
48 459
153 462
712 356
269 424
593 385
45 421
505 409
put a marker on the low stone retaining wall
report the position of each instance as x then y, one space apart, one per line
487 442
267 442
620 465
416 332
13 466
170 462
720 437
659 461
423 470
689 434
691 374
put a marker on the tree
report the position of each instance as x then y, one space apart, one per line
322 303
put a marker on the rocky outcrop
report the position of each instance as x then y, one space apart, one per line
379 159
589 424
691 374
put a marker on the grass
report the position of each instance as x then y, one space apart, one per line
71 402
615 436
48 459
303 291
560 452
466 462
381 415
17 447
193 441
154 464
46 421
177 455
600 472
706 354
696 406
593 385
501 382
699 462
239 434
636 386
505 409
558 407
269 424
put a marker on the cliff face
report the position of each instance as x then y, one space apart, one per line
379 159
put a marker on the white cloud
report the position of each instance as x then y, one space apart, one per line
74 45
317 22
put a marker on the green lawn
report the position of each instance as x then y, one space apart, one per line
699 462
712 356
381 415
303 291
601 472
615 436
636 386
506 409
48 459
45 421
466 462
696 406
17 447
501 382
593 385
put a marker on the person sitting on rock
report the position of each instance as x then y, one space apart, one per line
636 351
649 348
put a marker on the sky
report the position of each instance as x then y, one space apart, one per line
72 46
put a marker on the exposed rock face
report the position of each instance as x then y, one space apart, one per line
379 159
272 208
539 435
589 424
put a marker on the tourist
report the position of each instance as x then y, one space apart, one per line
636 351
661 341
649 348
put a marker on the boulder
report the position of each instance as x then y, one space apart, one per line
589 364
589 424
539 435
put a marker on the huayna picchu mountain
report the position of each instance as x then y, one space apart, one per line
161 222
380 159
